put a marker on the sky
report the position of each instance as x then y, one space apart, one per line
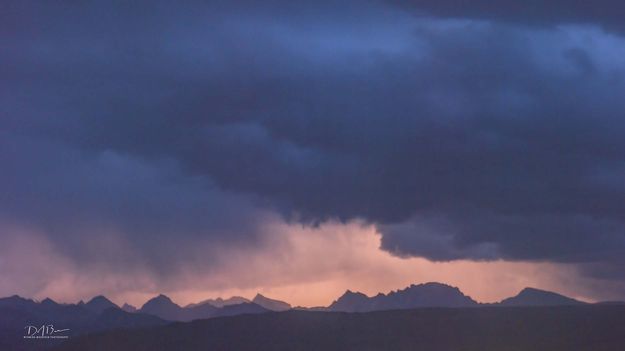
299 149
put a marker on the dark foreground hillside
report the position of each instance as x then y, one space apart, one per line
563 328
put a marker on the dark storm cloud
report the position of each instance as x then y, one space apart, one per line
459 139
606 13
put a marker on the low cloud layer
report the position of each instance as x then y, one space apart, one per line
459 132
605 13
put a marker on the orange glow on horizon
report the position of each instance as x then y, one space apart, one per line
316 265
303 266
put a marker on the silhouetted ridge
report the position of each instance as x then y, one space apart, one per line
271 304
537 297
99 304
16 301
16 313
163 307
414 296
351 302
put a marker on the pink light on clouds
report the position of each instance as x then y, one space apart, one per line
302 265
312 266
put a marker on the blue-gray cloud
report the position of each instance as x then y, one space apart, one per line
605 13
470 137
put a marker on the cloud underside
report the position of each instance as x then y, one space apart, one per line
467 132
605 13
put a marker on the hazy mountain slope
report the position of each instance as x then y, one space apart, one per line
271 304
165 308
219 302
242 308
129 308
564 328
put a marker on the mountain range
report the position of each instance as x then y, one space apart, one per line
263 301
100 314
414 296
17 313
98 304
165 308
439 295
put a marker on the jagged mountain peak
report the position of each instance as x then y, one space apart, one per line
351 302
100 299
429 294
163 307
159 300
99 303
353 293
